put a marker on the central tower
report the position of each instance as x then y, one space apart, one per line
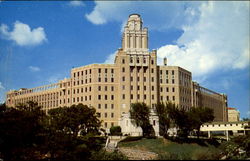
135 38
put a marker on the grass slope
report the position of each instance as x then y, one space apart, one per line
167 149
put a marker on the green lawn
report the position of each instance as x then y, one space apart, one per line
173 150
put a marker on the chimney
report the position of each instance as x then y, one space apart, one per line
165 61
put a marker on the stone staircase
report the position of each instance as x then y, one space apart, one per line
112 142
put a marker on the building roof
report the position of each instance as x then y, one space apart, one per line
231 108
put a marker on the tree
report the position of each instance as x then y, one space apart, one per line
200 115
139 114
162 110
115 130
70 132
19 131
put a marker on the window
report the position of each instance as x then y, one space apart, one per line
152 62
112 106
123 87
86 72
112 115
123 79
106 106
152 70
161 89
112 97
90 97
144 70
144 79
172 81
131 59
99 70
106 88
106 79
105 115
99 79
131 96
99 106
112 88
172 72
145 88
138 96
99 97
138 78
160 80
160 71
90 89
152 79
123 96
167 81
105 125
153 97
99 88
138 60
167 98
106 70
153 88
106 97
144 60
123 61
138 88
131 79
173 98
89 71
123 69
131 87
173 89
145 96
98 114
112 79
161 98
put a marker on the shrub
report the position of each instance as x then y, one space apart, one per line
174 156
132 138
206 154
103 155
115 130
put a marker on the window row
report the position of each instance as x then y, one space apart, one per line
105 106
167 81
105 88
80 73
168 98
137 60
167 72
105 115
167 89
105 97
138 96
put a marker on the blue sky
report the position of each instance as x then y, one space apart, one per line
41 41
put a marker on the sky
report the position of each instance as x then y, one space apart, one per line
41 41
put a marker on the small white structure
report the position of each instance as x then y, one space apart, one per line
128 128
225 126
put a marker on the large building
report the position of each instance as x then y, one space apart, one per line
134 77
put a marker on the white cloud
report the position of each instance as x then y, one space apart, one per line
156 15
218 41
1 86
34 69
23 35
110 59
76 3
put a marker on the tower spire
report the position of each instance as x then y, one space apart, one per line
135 38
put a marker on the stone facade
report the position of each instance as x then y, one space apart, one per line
233 114
134 77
